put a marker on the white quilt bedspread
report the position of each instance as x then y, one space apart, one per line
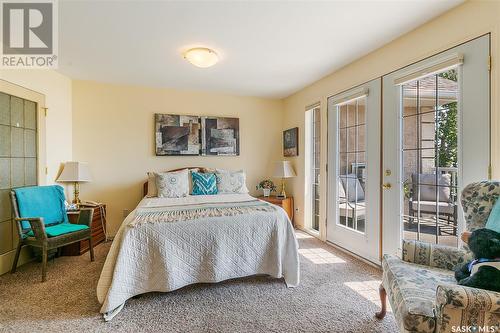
167 256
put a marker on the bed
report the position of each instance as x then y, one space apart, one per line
168 243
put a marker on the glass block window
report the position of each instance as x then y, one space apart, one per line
18 158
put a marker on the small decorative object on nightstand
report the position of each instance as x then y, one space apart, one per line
267 187
98 227
285 203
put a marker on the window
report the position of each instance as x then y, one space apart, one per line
18 158
352 164
430 158
313 155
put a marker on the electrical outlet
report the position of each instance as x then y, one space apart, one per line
126 212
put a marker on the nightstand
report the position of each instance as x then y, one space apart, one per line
98 231
286 204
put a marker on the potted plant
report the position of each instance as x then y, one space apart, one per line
267 187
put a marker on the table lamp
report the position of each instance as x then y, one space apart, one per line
75 172
283 169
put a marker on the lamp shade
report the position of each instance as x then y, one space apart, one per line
283 169
75 172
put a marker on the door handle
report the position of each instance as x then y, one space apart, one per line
387 186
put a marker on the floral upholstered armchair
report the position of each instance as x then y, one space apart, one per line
422 289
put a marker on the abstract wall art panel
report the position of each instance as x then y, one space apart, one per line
177 134
220 136
291 142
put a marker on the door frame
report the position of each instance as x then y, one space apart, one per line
9 88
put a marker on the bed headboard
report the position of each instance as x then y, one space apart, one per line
145 186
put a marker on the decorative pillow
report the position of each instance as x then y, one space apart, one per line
204 183
231 181
493 222
427 187
173 184
152 190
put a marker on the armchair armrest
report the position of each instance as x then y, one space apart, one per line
36 224
85 216
464 306
439 256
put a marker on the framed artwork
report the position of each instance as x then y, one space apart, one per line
220 136
291 142
177 134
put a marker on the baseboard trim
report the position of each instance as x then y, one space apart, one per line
7 258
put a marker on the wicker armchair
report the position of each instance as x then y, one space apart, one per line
37 236
422 290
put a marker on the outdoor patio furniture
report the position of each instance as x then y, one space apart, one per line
351 197
428 198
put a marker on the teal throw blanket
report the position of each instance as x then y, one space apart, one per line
42 201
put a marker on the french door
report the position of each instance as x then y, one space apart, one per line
354 170
436 139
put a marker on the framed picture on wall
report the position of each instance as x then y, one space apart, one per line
177 134
220 136
291 142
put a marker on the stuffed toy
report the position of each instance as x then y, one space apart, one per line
484 271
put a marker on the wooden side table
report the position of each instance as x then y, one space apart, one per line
98 231
286 204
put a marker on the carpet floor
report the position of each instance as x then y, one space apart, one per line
337 293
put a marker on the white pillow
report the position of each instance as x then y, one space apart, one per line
153 191
173 184
231 181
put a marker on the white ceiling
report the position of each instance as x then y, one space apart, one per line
268 49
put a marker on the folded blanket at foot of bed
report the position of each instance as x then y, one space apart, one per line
195 211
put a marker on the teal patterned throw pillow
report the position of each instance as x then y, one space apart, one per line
204 183
493 222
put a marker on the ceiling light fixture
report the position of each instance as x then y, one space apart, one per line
201 57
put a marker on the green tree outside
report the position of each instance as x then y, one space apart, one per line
446 133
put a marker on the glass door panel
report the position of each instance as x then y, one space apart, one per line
352 165
430 158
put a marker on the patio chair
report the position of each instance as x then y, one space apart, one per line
42 222
428 198
351 197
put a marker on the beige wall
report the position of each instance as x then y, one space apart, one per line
57 90
467 21
113 131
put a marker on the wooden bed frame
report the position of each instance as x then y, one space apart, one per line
201 169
